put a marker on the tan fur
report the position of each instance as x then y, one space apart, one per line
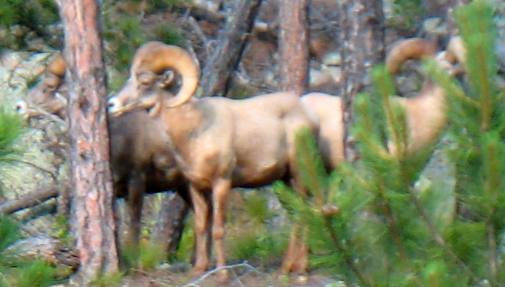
426 113
326 111
456 51
218 143
140 158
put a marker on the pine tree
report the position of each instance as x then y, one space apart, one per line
369 223
13 270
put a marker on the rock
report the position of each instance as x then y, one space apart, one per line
437 186
16 70
319 78
435 26
335 73
408 86
332 59
48 248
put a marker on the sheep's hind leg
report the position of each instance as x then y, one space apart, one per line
201 209
220 193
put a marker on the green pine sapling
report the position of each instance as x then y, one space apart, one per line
369 223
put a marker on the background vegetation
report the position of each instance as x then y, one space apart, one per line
373 224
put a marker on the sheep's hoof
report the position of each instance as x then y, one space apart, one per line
222 276
197 271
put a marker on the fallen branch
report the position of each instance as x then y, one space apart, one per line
40 196
197 282
28 200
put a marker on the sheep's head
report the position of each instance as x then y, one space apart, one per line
151 73
46 96
455 56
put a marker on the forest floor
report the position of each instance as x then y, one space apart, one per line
240 276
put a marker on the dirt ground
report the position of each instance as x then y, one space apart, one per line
240 276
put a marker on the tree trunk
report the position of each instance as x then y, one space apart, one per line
362 39
92 211
293 67
170 222
452 5
293 46
226 57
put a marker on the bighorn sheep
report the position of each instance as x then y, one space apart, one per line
217 142
140 158
425 113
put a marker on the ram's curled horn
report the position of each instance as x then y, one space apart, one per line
55 71
156 57
415 48
57 66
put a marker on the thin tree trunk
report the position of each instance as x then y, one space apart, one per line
293 67
362 39
226 57
170 222
92 214
293 46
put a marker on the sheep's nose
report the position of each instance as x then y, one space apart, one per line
112 104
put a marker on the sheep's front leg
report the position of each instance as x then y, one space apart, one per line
136 188
220 192
201 209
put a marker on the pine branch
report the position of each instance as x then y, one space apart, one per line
486 101
452 89
492 256
395 232
437 237
348 259
492 186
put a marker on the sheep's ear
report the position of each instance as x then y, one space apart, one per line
146 77
166 79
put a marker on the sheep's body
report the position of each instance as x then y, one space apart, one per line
425 113
218 143
221 143
229 137
426 116
141 160
326 111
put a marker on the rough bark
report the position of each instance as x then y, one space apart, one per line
293 46
293 67
224 60
169 225
362 39
92 212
